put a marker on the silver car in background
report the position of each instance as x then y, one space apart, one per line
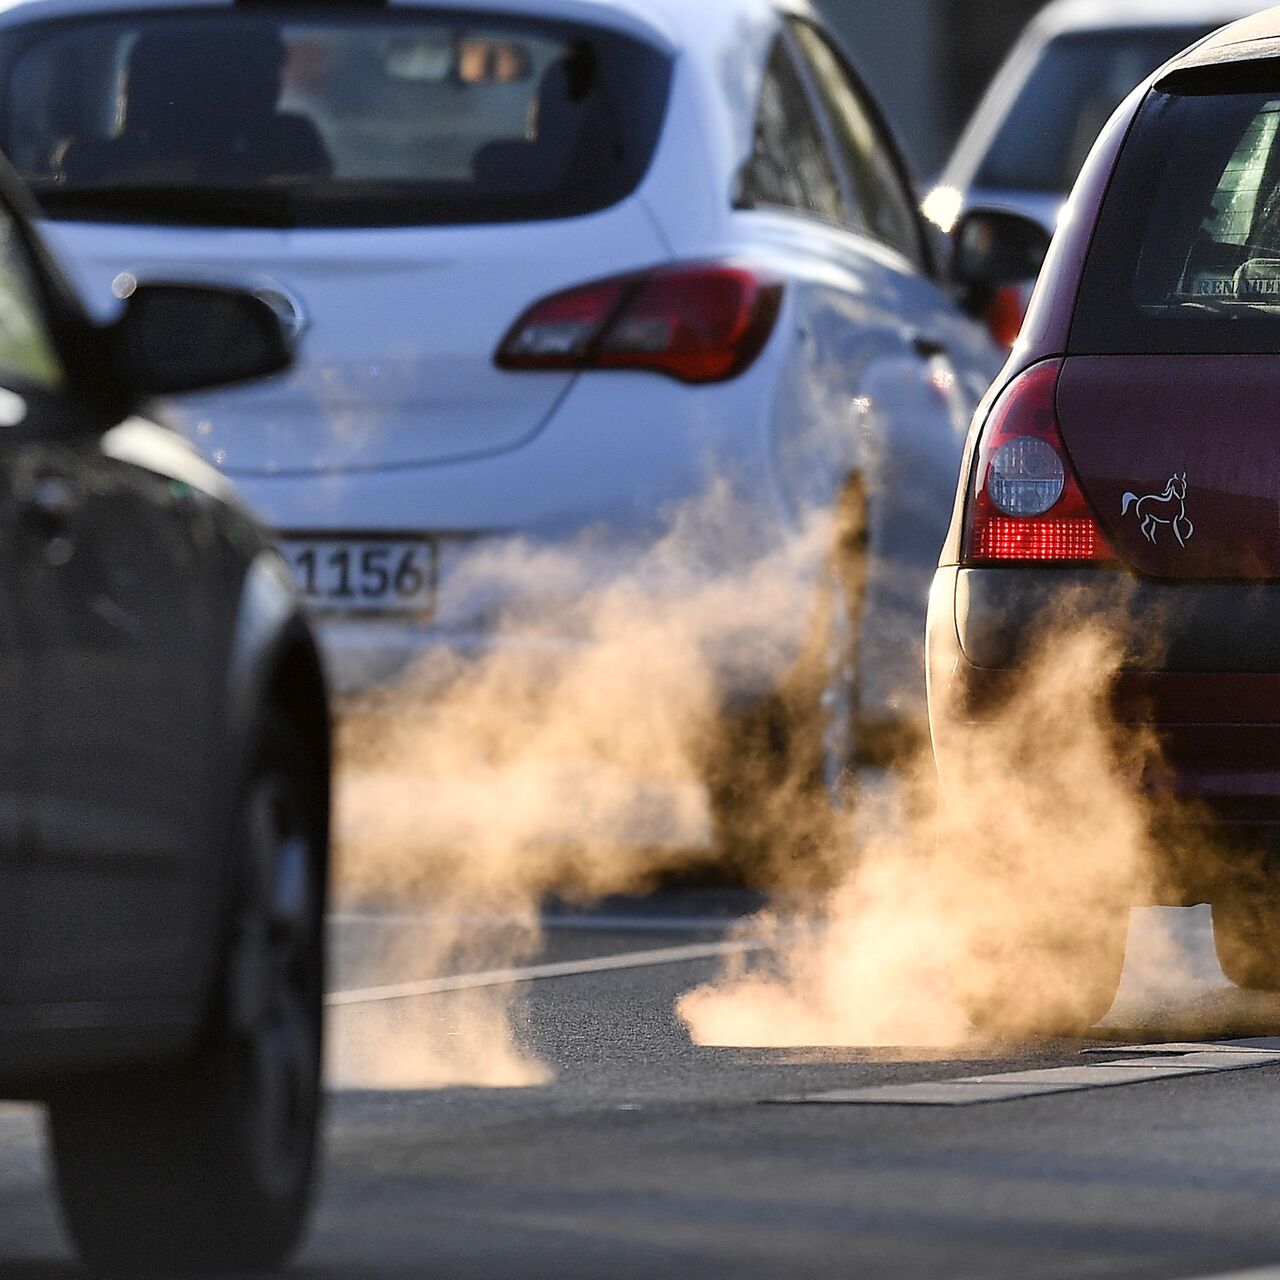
1028 138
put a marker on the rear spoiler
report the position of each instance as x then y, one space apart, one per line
1248 67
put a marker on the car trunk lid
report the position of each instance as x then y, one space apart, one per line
1141 428
400 328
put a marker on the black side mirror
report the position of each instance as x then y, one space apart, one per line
994 248
192 337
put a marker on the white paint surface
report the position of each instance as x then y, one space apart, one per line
1151 1062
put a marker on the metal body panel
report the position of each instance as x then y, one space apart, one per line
1132 422
1209 627
117 623
124 557
1215 783
18 710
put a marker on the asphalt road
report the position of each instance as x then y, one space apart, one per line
649 1157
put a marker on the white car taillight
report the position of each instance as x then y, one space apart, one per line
696 323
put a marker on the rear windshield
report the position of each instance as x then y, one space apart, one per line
1070 94
1186 255
327 116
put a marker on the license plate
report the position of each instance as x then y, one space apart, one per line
365 575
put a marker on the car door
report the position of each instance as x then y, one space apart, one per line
106 558
31 383
16 708
113 567
894 367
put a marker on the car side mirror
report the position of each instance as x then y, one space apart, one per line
995 248
192 337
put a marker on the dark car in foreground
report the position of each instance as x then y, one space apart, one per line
1126 461
164 775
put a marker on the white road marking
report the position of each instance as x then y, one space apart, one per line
1270 1043
538 972
1261 1273
1156 1062
641 924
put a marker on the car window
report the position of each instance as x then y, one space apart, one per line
339 117
789 166
27 355
1187 255
1076 83
882 206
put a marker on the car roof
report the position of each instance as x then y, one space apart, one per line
684 24
1251 38
1066 16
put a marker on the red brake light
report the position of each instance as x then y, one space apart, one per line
694 323
1026 502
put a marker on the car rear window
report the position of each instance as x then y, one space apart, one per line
294 116
1078 81
1186 254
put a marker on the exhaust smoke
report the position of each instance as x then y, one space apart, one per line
569 759
573 758
1000 897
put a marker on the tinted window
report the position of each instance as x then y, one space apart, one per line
26 349
1186 257
1070 94
293 116
882 206
789 167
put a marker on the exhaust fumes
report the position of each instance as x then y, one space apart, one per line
594 748
1000 900
570 759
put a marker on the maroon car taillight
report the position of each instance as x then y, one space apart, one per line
1026 503
698 324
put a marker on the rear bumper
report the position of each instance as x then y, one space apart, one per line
517 609
637 486
1201 668
1186 628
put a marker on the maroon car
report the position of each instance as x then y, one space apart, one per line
1133 440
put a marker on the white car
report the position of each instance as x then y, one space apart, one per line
558 268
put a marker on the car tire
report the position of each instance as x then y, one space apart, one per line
780 777
1246 936
1053 973
210 1162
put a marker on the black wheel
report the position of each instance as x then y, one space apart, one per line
1055 972
780 777
1246 936
209 1163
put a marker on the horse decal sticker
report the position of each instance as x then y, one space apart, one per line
1167 508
